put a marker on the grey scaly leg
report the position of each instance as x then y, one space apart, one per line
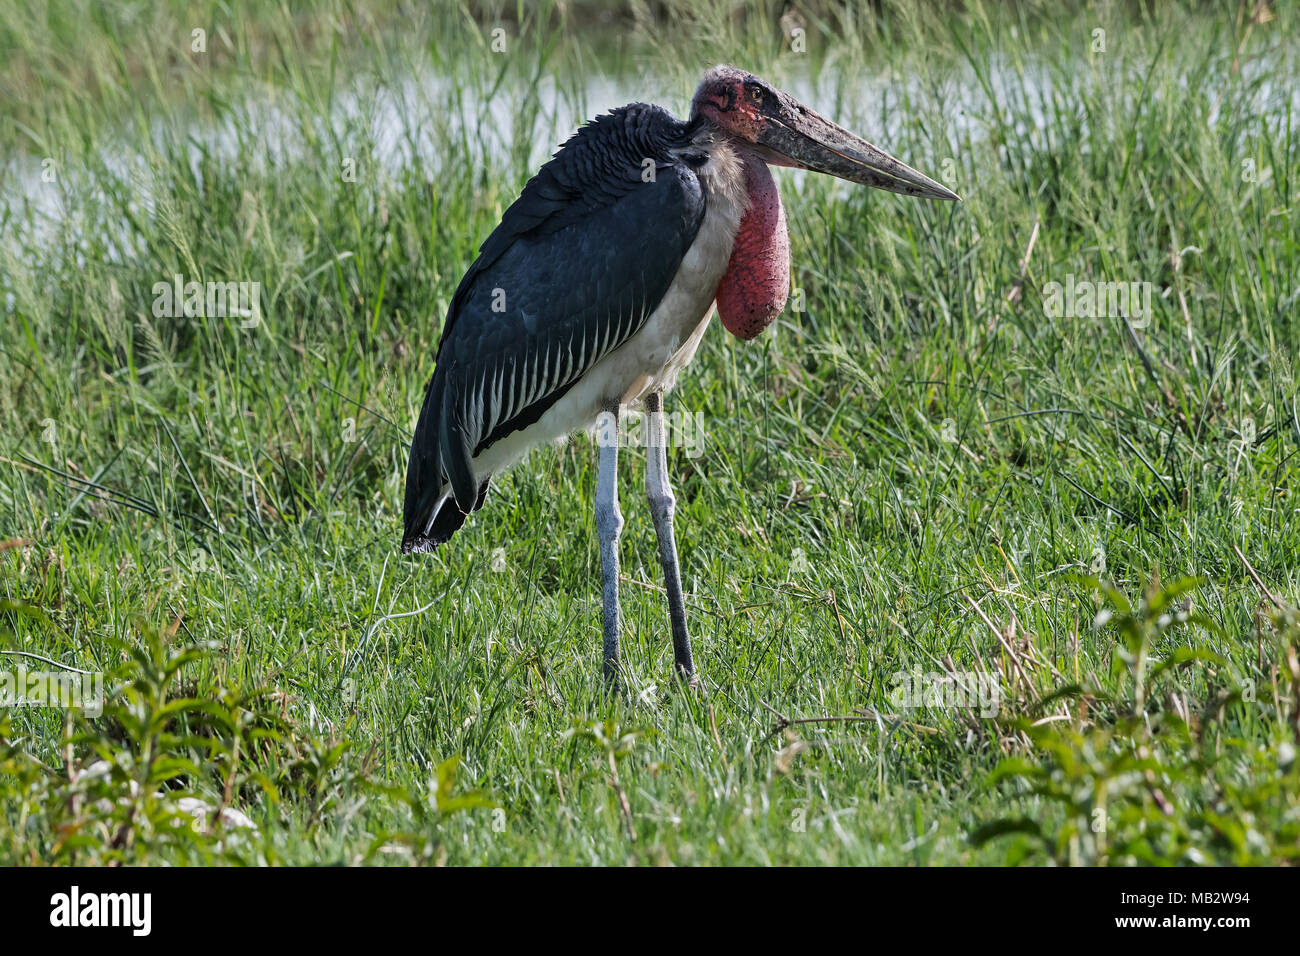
609 524
662 503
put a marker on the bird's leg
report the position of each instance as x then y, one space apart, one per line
609 524
662 503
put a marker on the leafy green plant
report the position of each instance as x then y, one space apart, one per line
1133 781
430 807
172 772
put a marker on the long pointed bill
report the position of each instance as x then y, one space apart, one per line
794 135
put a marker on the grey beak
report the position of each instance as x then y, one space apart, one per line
795 135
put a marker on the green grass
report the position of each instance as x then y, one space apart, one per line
922 471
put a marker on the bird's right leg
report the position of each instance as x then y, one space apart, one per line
659 492
609 524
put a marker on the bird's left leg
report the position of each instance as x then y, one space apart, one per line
609 524
662 504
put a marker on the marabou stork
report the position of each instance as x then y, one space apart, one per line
594 292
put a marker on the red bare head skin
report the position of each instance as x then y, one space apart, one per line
733 100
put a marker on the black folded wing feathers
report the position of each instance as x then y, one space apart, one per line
578 263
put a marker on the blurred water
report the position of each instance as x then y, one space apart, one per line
409 123
426 121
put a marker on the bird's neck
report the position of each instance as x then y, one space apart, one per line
753 290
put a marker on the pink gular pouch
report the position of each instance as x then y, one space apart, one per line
753 290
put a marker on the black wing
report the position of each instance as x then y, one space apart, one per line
577 265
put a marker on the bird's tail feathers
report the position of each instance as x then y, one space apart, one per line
444 520
440 487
